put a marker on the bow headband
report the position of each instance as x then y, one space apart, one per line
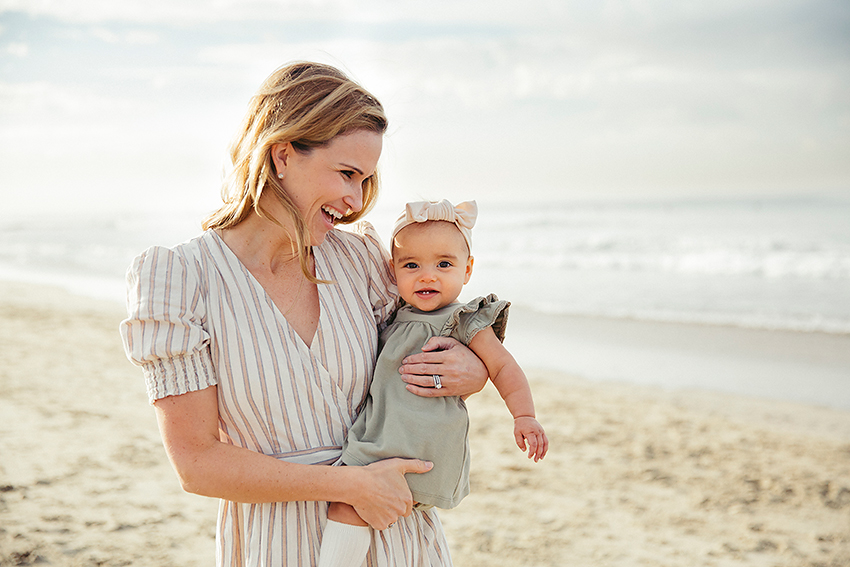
463 216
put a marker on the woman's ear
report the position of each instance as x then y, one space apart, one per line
280 157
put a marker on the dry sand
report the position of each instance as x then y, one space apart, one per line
635 475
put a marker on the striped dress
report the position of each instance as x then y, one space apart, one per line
198 318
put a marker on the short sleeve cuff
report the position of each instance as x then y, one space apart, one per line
179 375
478 314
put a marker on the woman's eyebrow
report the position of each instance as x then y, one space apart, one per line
357 169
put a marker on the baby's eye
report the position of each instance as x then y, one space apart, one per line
445 264
411 265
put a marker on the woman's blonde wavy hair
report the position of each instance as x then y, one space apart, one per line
308 105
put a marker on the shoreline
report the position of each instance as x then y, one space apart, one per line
636 474
673 355
807 367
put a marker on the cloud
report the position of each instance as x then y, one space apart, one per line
175 12
578 97
49 101
129 37
17 49
192 12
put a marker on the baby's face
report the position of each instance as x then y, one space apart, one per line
431 264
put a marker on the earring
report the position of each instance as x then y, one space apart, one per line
280 176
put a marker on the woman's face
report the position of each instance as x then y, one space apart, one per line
327 182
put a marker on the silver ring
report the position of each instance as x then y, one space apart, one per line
391 525
437 383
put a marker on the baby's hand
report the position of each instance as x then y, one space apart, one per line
528 429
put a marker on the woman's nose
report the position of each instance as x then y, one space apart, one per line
354 199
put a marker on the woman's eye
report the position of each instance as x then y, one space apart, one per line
348 174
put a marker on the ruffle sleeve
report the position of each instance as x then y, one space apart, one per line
476 315
164 332
383 294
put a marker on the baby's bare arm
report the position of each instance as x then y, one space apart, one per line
512 385
505 373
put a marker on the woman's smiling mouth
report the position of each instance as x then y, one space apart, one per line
333 214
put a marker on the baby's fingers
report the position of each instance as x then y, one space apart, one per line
532 446
520 440
544 446
541 447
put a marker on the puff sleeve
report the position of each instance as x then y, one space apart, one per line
476 315
164 332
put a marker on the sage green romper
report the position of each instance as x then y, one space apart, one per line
397 423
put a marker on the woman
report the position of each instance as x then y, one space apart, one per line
258 338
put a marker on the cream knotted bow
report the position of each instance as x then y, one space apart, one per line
463 216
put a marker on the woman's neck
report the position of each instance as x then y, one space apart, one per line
261 244
266 251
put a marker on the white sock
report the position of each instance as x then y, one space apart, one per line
344 545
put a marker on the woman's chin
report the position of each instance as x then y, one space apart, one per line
318 237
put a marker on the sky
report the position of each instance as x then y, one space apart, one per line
117 105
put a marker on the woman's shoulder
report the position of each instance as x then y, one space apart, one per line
359 240
357 256
161 261
359 233
192 247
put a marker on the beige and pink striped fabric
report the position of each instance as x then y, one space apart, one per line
198 318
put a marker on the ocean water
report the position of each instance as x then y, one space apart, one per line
776 264
770 264
767 264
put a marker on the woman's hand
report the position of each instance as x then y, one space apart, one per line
385 496
461 372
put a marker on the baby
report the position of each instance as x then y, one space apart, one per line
432 262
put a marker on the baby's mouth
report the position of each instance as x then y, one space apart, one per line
427 292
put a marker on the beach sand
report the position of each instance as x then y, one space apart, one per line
636 475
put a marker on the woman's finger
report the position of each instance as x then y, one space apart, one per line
414 466
461 372
428 392
388 497
421 381
433 352
440 343
421 374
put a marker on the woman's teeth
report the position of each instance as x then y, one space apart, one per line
333 213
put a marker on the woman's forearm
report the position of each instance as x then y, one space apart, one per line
378 492
241 475
188 424
189 427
